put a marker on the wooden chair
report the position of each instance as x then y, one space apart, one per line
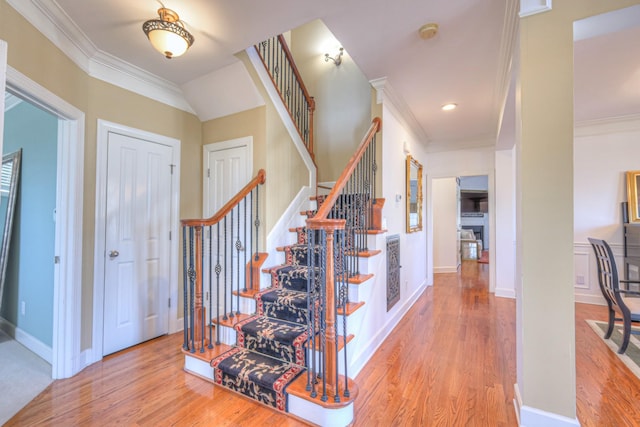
624 301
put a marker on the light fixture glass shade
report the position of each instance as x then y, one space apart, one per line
167 35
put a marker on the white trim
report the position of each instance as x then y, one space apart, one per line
505 293
32 343
3 78
450 269
67 288
104 128
244 141
533 417
385 94
532 7
367 351
55 24
590 299
283 113
630 123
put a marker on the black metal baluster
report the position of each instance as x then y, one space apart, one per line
210 288
323 319
311 280
238 247
218 271
203 309
246 240
225 317
185 287
192 309
230 266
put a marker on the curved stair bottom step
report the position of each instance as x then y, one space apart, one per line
255 375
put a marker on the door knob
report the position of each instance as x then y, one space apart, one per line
113 254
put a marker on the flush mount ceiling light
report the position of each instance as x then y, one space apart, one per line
448 107
336 59
428 31
167 34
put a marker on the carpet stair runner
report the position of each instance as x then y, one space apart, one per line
270 351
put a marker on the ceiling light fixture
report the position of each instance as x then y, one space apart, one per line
428 31
449 107
167 34
336 59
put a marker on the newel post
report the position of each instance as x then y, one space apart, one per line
329 226
198 311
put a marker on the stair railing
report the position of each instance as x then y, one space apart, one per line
278 62
335 236
215 265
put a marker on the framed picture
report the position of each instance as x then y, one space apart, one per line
633 183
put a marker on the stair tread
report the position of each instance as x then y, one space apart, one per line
278 329
239 368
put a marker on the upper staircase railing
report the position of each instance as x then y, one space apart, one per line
220 260
278 61
336 235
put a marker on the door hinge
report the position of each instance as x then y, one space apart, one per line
169 235
172 166
169 303
208 173
56 259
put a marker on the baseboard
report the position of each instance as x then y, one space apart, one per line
505 293
533 417
450 269
360 360
590 299
32 343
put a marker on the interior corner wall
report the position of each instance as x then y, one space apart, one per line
545 328
285 168
505 215
33 237
413 246
33 55
602 155
342 95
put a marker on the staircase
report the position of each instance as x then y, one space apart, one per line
283 344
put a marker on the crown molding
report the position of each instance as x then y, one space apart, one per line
630 123
482 142
10 101
505 62
52 21
532 7
386 95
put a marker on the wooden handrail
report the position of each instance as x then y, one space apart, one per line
325 209
310 101
287 52
258 180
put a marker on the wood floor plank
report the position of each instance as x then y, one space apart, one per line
449 362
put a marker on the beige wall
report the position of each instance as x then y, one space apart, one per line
286 171
545 309
31 54
342 95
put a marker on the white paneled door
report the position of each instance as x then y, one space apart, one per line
227 171
137 245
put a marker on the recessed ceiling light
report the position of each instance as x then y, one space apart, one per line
449 107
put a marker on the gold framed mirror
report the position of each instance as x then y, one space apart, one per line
414 195
633 183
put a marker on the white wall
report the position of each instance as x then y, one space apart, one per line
505 210
468 162
444 194
413 246
603 152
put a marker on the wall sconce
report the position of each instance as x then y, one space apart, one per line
336 59
167 34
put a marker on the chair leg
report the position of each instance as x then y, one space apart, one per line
625 334
612 320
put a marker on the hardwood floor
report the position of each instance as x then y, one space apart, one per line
450 362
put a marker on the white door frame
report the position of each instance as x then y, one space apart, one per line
104 127
66 356
218 146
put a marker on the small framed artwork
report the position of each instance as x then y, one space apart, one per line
633 183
